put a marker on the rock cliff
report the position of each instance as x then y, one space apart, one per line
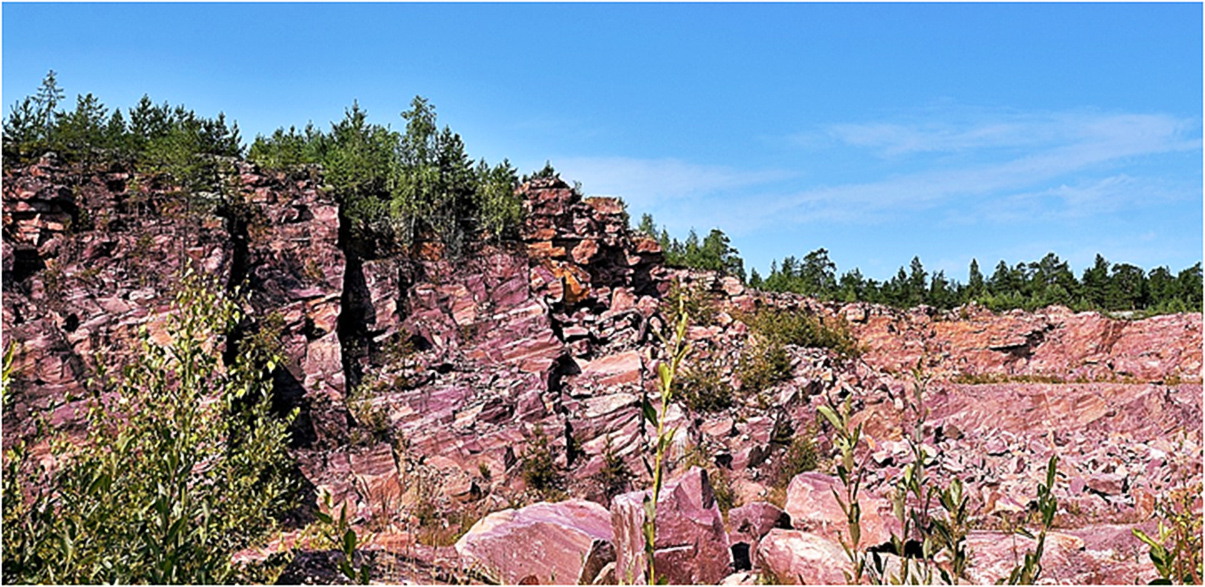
422 380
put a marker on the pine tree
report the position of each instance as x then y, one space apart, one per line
647 226
1096 283
975 286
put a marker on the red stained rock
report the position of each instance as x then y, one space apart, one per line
1050 343
606 206
622 299
996 554
585 251
646 245
1106 483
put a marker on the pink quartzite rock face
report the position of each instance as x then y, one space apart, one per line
1050 343
1064 558
460 359
691 547
613 370
563 543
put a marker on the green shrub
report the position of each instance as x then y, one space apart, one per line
701 387
800 457
372 421
763 364
1176 547
183 465
721 487
785 327
614 477
337 532
540 471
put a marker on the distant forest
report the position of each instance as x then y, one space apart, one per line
1105 286
399 187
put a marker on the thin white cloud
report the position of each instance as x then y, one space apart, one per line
1068 201
1049 148
1011 130
996 167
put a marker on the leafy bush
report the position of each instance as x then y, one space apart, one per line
614 477
785 327
183 464
800 457
337 532
1175 549
372 421
764 360
763 364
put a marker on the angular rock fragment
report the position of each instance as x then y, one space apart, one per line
692 546
813 507
564 543
803 558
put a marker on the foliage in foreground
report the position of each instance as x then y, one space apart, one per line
942 532
1175 549
183 464
677 349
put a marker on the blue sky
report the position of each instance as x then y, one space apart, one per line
948 131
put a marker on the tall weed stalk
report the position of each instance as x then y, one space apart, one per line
666 371
851 471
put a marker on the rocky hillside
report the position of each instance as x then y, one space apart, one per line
482 416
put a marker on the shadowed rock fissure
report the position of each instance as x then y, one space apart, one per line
355 307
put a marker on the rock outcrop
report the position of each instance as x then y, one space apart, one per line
422 380
1054 343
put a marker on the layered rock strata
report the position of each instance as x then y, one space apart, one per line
422 381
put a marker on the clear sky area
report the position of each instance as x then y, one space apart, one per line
877 131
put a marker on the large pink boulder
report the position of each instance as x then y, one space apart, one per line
795 557
813 507
544 543
691 545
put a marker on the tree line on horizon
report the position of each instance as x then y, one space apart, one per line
1104 286
150 137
